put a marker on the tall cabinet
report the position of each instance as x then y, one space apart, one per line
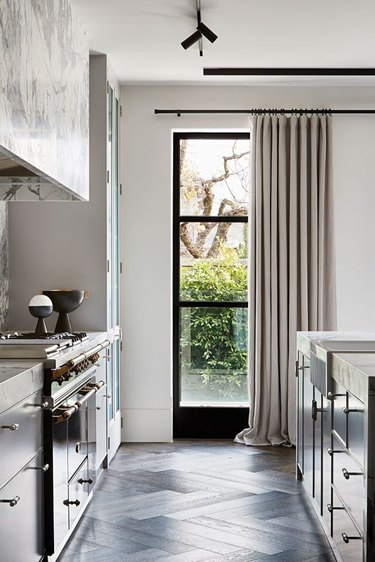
114 264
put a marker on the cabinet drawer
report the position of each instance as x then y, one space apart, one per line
345 534
339 403
356 428
349 481
79 489
21 435
21 529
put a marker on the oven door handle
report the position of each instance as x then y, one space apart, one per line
69 411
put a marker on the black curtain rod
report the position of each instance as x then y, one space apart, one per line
179 112
257 71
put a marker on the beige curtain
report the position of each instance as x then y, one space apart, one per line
292 265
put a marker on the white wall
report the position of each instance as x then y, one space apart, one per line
147 213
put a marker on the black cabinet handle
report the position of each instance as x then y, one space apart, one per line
331 508
347 539
349 410
44 468
14 501
11 427
76 502
334 451
332 395
347 474
83 481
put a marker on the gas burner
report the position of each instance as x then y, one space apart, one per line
75 338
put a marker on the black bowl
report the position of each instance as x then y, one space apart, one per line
65 301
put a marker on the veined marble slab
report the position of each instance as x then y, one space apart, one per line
4 266
44 94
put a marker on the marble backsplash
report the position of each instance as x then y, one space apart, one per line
4 266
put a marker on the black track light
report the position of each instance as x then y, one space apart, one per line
206 32
192 39
201 31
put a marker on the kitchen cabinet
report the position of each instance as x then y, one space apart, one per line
22 467
336 450
313 435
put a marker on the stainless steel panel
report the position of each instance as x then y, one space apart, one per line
21 435
339 403
60 482
318 374
299 407
77 437
21 529
97 432
308 432
349 481
326 460
351 551
356 428
79 489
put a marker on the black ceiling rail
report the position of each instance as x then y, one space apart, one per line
180 112
309 71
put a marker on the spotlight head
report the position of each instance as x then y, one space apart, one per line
192 39
206 31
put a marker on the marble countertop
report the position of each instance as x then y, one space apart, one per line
18 379
306 340
355 372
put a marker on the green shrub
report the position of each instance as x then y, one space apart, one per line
213 339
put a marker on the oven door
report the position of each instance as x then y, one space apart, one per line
71 483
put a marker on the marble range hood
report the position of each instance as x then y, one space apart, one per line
21 181
44 102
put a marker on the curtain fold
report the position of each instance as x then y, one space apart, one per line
292 265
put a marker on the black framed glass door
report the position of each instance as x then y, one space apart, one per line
210 289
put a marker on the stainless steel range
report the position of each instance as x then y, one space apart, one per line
70 392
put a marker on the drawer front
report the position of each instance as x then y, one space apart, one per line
21 529
21 435
79 489
345 530
349 481
339 403
77 439
356 428
60 482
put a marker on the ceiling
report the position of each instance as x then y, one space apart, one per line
142 37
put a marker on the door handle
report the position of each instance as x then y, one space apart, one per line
347 474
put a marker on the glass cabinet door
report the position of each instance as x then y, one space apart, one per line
113 256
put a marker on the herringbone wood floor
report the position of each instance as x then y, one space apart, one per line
199 500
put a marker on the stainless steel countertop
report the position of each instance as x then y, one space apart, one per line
21 377
18 379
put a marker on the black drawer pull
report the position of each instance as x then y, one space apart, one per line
349 410
347 474
83 481
11 427
76 502
331 395
333 451
347 539
44 468
331 508
12 502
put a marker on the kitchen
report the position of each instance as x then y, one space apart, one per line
58 242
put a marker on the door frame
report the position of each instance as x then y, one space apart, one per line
198 421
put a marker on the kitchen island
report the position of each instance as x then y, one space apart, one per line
335 446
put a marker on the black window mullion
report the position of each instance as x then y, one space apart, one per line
212 218
213 304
